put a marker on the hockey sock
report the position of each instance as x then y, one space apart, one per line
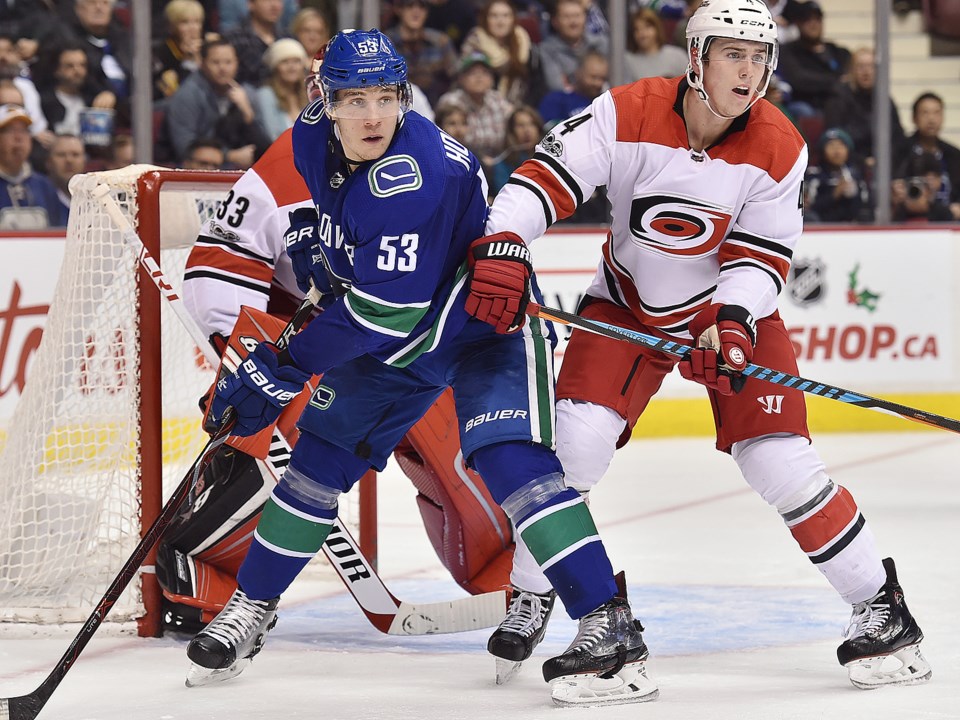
552 520
289 534
563 539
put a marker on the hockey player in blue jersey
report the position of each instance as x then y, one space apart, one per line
400 206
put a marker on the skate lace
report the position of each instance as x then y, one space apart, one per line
525 614
239 620
593 630
868 617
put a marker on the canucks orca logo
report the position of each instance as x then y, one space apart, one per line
394 175
673 225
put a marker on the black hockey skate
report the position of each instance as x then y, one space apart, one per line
606 662
225 647
882 645
521 631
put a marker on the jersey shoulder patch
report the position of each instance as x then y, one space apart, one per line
394 175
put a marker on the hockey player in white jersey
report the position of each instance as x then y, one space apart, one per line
705 182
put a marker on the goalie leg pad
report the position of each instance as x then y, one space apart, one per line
472 536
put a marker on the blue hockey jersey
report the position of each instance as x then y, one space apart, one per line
395 232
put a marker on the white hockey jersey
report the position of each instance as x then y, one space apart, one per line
687 229
239 257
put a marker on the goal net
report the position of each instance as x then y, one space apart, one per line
108 422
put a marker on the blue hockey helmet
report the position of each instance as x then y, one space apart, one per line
361 59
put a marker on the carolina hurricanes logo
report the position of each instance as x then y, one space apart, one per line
673 225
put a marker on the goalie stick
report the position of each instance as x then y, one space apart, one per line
777 377
383 609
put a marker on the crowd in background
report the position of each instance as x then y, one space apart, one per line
228 78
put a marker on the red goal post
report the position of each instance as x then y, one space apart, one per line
108 420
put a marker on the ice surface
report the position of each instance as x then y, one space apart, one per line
739 624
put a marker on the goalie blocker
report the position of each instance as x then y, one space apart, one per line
198 557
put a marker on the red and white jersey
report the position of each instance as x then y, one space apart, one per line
239 257
687 229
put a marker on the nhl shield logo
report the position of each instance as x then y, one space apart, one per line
807 282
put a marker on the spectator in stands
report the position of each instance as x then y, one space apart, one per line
280 100
814 67
596 21
524 130
487 110
25 18
12 71
28 200
648 54
452 119
253 36
204 154
232 13
109 52
211 103
928 119
782 12
67 157
67 88
121 152
562 50
454 18
178 54
924 194
589 80
430 55
508 48
852 108
836 190
311 29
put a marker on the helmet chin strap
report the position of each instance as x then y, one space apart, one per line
702 92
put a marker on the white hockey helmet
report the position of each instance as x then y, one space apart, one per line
734 19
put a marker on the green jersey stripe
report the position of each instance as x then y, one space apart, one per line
397 321
429 339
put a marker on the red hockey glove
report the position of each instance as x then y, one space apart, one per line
259 389
724 337
499 280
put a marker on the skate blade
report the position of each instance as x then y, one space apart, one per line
506 670
630 685
198 675
906 666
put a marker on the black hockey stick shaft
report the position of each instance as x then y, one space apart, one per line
777 377
27 707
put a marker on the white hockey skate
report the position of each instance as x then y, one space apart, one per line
883 640
225 647
521 631
606 662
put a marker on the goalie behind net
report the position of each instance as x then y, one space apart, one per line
91 443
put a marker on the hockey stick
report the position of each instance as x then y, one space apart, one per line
759 372
382 608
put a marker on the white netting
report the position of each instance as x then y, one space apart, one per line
70 473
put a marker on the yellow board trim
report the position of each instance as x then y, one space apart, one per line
666 417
